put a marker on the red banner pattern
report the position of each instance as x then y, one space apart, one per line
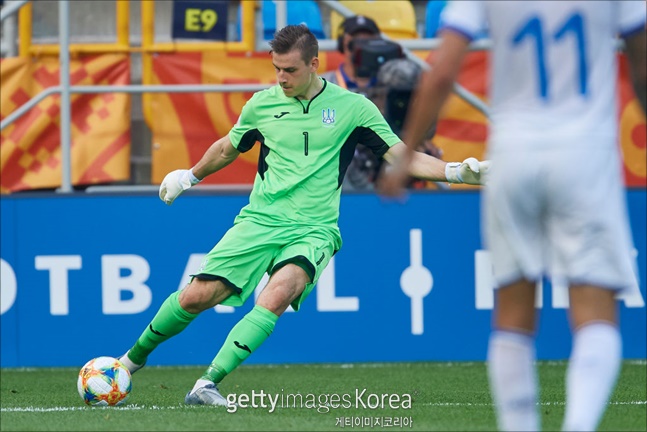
30 147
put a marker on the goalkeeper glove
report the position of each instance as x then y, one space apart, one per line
175 183
470 171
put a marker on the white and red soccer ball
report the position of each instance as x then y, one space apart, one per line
104 381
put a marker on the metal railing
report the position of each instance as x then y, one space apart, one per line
65 89
9 21
11 8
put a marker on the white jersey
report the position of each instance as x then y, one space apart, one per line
553 68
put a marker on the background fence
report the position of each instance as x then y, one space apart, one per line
118 128
82 275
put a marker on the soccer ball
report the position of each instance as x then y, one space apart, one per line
104 381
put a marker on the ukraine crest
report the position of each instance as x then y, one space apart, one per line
328 116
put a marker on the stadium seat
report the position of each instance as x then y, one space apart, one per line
302 11
396 19
432 17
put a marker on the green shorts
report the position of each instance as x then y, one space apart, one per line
249 250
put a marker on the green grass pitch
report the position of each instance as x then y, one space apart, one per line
444 397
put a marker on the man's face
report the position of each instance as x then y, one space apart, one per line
292 73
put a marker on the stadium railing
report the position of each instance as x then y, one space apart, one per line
249 42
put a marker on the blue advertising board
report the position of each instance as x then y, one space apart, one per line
82 275
199 19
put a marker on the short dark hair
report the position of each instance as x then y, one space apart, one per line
297 37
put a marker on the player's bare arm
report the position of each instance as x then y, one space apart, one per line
433 89
427 167
423 166
435 86
219 155
635 49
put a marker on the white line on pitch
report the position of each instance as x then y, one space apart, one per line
630 362
464 404
174 407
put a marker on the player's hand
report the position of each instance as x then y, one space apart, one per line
175 183
393 180
470 171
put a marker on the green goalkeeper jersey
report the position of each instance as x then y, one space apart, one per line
306 147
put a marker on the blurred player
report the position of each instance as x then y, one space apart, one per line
555 201
307 130
396 82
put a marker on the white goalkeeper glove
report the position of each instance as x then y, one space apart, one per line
470 171
175 183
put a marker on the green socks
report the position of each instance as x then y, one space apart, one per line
243 339
170 320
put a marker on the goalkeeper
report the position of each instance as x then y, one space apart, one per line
307 129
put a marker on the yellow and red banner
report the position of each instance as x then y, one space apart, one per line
632 130
184 125
30 151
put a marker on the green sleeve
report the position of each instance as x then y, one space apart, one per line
378 135
244 134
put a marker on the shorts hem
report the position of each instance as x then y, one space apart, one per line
210 277
299 260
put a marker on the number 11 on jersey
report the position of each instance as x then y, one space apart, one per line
534 29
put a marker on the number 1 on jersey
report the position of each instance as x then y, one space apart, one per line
305 143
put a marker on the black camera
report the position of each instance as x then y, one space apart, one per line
396 107
370 54
396 81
